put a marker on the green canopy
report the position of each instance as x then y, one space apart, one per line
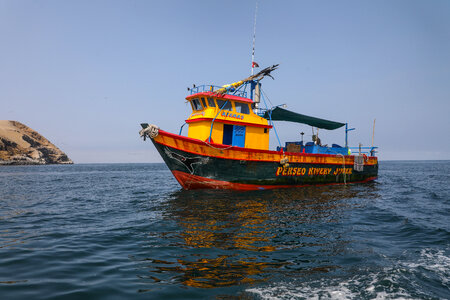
280 114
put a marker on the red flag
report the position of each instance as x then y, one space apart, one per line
255 64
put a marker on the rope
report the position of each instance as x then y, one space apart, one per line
265 96
207 143
212 123
181 129
275 129
151 131
343 166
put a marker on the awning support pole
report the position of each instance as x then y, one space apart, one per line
212 123
346 134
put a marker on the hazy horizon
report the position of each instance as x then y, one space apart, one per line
107 163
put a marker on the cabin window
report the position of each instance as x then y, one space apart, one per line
196 104
204 102
227 104
242 108
211 102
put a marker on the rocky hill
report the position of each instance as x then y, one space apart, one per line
21 145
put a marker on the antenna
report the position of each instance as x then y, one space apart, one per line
373 132
254 64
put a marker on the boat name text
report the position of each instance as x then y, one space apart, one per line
231 115
282 171
198 114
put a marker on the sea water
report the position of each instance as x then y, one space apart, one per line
127 231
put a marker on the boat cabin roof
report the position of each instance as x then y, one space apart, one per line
220 96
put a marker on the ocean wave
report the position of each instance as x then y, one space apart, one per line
432 262
404 280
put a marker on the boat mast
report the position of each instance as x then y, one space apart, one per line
255 87
254 39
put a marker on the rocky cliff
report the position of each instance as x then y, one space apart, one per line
21 145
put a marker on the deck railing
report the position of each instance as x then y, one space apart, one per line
364 150
212 88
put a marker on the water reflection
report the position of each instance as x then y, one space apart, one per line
226 238
12 237
221 223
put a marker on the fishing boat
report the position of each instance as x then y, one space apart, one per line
227 144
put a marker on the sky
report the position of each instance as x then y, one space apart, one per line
86 73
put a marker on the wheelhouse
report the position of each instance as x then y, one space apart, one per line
227 119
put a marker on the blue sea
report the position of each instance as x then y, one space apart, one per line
127 231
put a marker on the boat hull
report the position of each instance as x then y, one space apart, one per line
199 165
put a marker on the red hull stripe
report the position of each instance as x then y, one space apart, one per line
182 143
228 122
192 182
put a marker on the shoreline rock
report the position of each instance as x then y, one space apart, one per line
21 145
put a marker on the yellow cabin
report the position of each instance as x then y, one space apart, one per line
228 120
